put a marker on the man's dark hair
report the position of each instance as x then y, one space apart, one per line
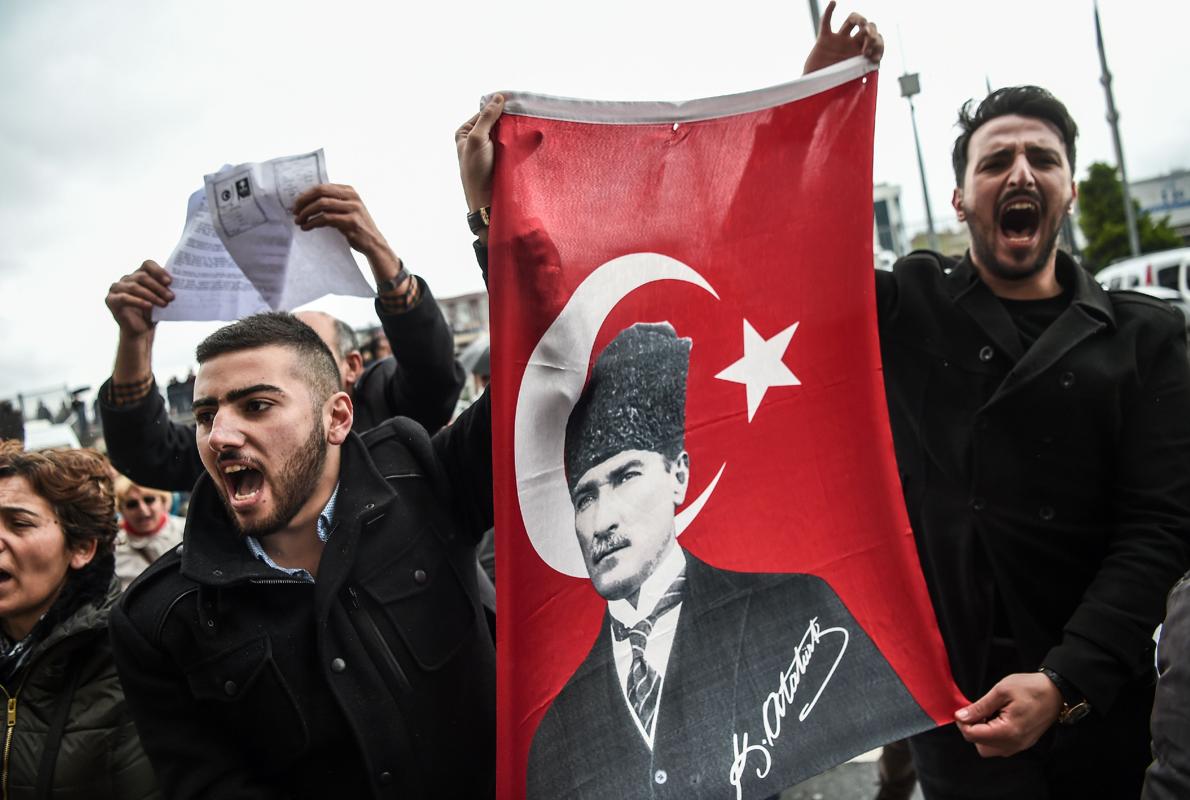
282 329
1026 101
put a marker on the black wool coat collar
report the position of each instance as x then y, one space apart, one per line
1089 312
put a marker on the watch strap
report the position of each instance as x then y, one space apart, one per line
478 220
1074 705
391 284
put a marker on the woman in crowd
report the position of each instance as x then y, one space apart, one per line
68 731
147 529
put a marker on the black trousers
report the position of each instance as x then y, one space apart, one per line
1102 756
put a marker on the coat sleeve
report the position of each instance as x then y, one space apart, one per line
426 383
131 773
148 447
1168 777
192 758
888 289
1108 640
464 452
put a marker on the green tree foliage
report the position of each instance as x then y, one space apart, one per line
1101 216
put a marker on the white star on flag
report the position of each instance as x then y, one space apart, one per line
761 367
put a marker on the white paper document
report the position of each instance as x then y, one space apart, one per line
241 252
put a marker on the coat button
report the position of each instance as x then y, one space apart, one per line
1066 380
419 575
1046 513
230 688
986 353
179 549
979 504
369 506
338 665
386 778
660 777
218 573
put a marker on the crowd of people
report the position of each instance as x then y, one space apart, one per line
319 623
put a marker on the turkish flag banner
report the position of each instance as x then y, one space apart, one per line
708 584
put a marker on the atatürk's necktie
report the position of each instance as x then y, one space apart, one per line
643 680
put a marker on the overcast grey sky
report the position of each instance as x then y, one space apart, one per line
113 112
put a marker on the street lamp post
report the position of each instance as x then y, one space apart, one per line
910 85
1113 119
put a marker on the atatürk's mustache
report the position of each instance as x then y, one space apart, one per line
604 546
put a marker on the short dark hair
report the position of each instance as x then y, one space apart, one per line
282 329
1027 101
78 486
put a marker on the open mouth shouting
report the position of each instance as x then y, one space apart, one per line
1019 220
243 482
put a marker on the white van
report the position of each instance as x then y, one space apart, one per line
1167 269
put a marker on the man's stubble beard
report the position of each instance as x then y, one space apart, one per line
984 252
295 484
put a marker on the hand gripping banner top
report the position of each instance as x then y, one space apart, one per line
708 584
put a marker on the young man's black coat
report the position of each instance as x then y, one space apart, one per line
1049 492
377 680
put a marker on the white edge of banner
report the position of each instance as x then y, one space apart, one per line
652 112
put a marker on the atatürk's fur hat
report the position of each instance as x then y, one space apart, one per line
635 399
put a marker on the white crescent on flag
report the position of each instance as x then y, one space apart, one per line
552 383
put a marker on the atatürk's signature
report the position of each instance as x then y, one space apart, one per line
779 702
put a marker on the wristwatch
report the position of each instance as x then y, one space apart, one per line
394 282
478 220
1074 705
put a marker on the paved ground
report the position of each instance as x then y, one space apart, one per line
855 780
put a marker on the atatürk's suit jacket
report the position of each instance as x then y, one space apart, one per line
736 642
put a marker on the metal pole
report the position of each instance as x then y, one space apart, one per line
911 85
1113 119
925 189
815 17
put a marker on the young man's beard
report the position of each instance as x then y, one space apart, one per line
293 484
984 252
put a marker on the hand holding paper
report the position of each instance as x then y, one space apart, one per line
241 251
133 297
339 207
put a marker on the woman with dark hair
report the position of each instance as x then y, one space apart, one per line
68 731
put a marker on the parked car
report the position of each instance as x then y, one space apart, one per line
1167 269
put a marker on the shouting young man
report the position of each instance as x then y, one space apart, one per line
1044 447
318 634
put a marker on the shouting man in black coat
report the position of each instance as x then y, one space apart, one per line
1043 440
318 634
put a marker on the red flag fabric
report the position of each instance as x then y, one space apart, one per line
708 584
